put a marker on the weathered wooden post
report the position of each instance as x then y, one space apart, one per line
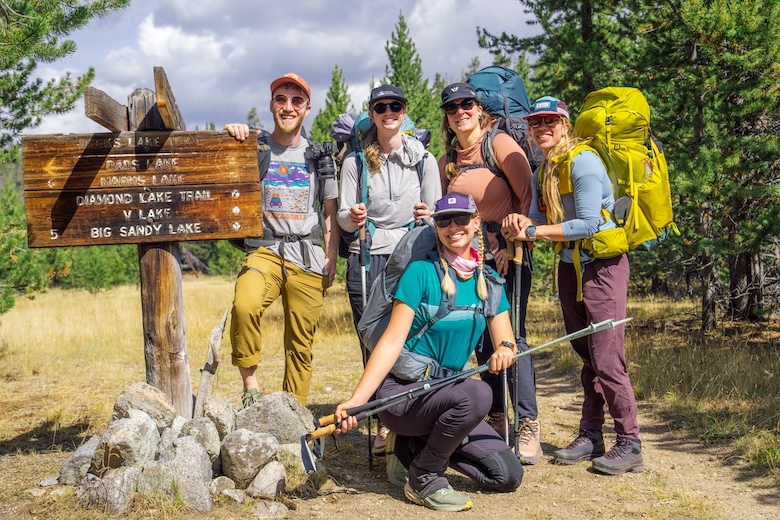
148 182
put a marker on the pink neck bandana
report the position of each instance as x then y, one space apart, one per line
463 267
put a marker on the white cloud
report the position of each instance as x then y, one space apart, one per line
220 57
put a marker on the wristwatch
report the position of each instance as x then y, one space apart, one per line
530 233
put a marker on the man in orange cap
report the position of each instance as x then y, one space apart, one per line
289 260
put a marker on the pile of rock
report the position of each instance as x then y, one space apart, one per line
147 450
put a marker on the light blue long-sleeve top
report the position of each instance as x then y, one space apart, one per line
591 191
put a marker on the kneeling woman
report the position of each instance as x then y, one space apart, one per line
445 427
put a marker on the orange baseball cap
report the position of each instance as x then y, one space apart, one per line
291 77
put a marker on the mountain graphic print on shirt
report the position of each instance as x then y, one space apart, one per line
286 191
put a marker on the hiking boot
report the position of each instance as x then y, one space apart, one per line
445 499
381 439
588 445
397 473
624 456
528 441
250 397
497 421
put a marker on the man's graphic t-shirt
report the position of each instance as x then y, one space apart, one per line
290 194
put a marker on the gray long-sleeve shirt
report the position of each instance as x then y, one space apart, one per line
392 193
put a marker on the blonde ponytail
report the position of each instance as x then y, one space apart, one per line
447 285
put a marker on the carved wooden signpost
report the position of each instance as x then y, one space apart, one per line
147 182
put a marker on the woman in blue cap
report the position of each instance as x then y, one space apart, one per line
566 213
445 427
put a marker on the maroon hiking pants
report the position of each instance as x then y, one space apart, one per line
604 373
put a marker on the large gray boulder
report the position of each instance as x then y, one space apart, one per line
77 465
132 441
270 482
244 452
279 414
191 470
145 398
113 493
221 414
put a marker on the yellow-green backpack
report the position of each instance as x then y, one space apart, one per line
615 121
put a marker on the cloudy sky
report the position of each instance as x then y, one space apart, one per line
221 56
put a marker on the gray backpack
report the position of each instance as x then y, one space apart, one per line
418 244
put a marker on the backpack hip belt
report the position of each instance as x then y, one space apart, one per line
315 237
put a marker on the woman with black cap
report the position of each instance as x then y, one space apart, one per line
444 427
464 169
397 197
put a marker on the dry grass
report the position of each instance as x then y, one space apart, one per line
66 355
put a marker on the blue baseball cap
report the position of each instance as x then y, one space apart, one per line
548 106
454 202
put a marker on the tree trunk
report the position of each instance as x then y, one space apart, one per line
708 277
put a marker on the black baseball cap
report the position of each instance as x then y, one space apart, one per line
386 92
457 91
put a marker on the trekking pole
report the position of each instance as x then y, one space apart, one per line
372 408
363 352
516 254
505 386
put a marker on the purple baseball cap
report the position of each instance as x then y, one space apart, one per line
454 202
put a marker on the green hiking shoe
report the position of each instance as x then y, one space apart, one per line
445 499
397 474
250 397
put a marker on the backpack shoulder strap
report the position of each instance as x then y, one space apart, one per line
489 154
447 304
421 167
263 153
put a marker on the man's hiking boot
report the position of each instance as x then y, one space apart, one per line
529 441
381 439
250 397
397 473
588 445
624 456
497 421
445 499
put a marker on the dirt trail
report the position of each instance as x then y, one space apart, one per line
683 478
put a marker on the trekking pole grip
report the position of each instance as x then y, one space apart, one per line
515 251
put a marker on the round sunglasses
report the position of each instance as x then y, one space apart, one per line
381 108
452 108
549 121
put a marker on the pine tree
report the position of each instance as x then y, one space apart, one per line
32 33
718 88
405 71
337 101
580 49
710 70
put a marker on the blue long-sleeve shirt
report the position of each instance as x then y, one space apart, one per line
591 191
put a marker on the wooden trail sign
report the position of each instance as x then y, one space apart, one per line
147 182
139 187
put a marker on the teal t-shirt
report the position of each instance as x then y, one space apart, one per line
452 339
